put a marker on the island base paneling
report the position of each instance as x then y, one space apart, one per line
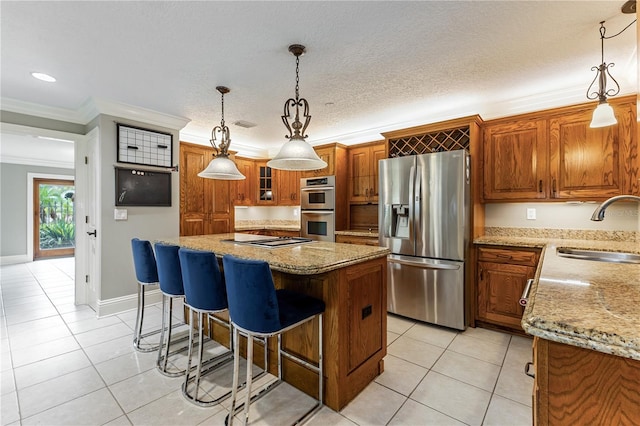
354 331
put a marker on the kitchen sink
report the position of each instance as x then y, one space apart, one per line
600 256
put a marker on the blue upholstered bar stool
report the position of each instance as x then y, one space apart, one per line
206 294
170 277
147 274
257 309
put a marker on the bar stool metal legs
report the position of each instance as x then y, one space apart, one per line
146 274
166 331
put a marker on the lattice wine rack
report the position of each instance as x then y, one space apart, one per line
443 140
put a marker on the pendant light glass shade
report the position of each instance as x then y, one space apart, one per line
222 168
296 154
603 116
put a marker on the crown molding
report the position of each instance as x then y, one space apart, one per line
93 107
28 161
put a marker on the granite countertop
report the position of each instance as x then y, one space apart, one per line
585 303
359 233
305 259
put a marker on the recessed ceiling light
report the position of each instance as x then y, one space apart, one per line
43 77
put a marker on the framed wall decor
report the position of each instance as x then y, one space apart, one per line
143 146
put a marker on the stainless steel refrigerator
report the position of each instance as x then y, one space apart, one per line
424 219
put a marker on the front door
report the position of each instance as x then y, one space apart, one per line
53 218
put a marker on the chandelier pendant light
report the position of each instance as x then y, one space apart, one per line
221 167
603 115
296 153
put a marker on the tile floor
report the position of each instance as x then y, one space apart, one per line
63 366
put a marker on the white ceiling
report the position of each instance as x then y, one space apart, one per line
370 67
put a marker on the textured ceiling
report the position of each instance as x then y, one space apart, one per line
370 67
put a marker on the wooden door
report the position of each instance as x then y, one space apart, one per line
359 174
288 187
499 289
515 161
589 163
244 190
378 152
205 204
53 218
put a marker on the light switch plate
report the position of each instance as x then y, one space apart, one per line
531 214
120 214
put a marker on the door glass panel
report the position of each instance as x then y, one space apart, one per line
55 219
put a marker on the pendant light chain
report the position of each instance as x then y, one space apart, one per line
297 77
222 121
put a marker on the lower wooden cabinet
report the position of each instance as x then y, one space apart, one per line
502 274
577 386
353 239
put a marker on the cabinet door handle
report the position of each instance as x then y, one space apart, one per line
540 185
371 192
553 184
481 274
366 193
526 370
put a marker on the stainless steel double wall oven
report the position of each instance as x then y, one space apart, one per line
317 208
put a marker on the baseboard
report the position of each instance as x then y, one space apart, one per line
118 305
10 260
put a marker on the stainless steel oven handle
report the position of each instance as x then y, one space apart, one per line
322 212
424 265
318 188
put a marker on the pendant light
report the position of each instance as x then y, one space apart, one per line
296 153
221 167
603 115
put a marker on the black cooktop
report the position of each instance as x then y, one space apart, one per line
269 242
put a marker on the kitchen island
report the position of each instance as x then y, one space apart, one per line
351 280
585 320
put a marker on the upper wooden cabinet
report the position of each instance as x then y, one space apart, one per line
266 195
515 160
555 155
244 191
205 204
328 154
592 163
288 187
363 171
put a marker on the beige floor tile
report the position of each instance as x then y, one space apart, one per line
121 421
38 337
126 366
432 334
398 324
46 350
518 355
461 401
414 413
503 411
9 411
391 337
400 375
34 326
515 385
386 402
484 334
143 388
415 351
95 408
326 416
7 382
467 369
111 349
485 350
172 409
104 334
38 398
50 368
92 323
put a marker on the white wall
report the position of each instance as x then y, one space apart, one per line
622 216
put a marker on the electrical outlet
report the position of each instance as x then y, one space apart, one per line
531 214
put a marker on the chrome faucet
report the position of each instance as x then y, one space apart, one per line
598 214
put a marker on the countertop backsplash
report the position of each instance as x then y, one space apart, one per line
564 234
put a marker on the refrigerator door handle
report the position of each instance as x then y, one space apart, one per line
423 265
417 212
412 206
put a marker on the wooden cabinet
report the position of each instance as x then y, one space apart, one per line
515 160
357 239
244 191
555 155
205 204
288 187
502 275
363 171
328 154
577 386
590 163
266 189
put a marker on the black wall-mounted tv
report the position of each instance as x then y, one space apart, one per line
142 188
